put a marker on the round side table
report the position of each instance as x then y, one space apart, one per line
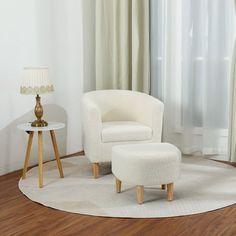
52 126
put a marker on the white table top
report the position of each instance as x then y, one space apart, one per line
51 126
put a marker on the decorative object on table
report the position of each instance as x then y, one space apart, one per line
30 130
149 164
205 185
112 117
36 81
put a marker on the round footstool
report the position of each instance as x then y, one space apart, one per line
146 165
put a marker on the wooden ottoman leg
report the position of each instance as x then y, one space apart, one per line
163 186
170 191
140 193
118 185
27 154
96 170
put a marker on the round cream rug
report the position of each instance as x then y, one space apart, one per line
204 185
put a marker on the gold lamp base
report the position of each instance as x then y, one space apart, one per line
38 110
39 123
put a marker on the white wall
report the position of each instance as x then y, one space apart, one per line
39 33
20 44
68 65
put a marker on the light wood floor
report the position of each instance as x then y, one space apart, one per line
20 216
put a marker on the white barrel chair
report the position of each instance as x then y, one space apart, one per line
114 117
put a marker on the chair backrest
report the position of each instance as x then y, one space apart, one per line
123 105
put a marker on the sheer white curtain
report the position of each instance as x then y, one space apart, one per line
191 44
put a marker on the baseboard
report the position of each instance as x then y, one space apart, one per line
80 153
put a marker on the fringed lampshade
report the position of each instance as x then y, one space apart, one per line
36 81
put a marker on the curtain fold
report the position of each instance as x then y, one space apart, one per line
122 45
232 107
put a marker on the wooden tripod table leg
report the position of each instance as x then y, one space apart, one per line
54 143
27 154
40 158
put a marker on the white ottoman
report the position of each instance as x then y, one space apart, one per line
146 165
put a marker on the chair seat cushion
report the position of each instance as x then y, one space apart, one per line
118 131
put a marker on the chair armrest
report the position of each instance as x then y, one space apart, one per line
152 115
157 120
149 111
92 127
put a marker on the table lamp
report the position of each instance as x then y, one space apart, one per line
36 81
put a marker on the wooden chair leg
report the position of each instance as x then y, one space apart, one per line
140 194
57 157
118 185
170 191
27 154
163 186
40 158
96 170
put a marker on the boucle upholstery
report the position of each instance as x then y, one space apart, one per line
146 164
117 131
112 117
